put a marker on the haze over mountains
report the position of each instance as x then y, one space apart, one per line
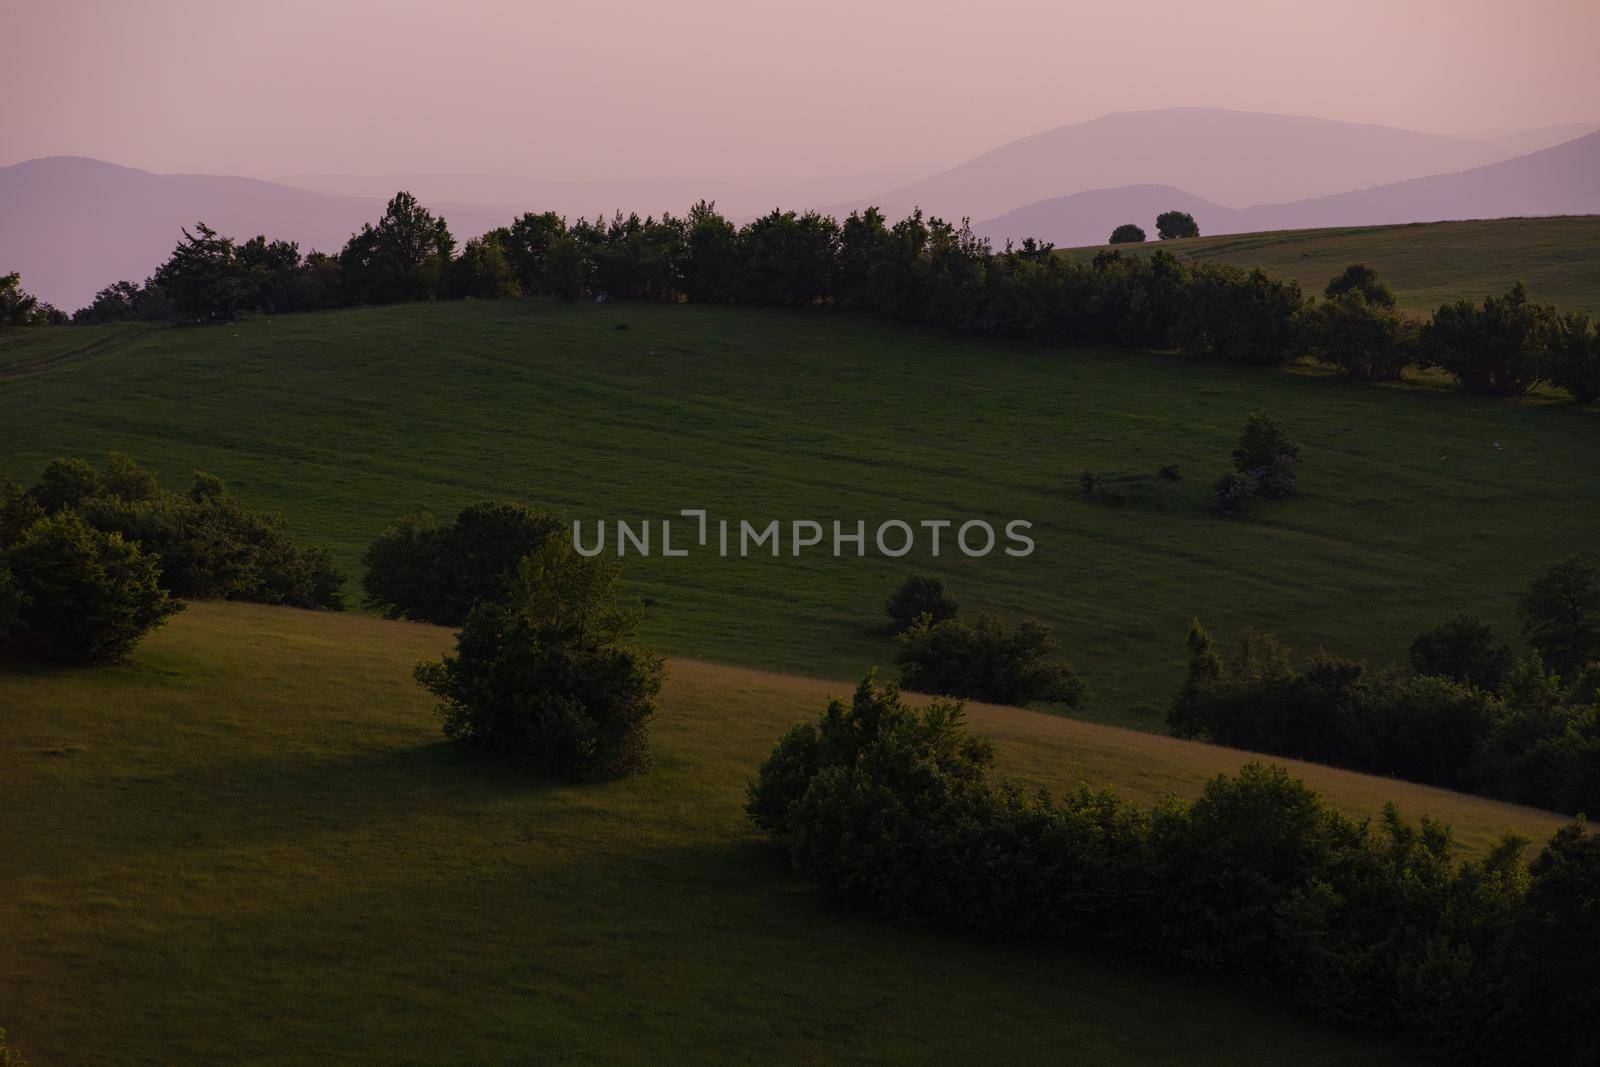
73 225
1564 180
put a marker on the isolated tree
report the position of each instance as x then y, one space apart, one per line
1495 348
919 595
545 675
1360 278
1174 224
18 308
1463 650
1126 234
1560 614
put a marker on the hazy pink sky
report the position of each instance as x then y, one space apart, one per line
752 88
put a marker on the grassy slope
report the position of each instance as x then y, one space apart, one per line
1428 263
1418 503
250 845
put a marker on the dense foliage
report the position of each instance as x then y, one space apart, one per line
1266 455
899 810
417 569
71 594
1174 224
542 674
1560 614
919 595
1127 233
1531 739
20 308
207 543
919 269
989 659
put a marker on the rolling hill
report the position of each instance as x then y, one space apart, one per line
1427 263
251 845
1418 502
1235 158
72 226
1564 180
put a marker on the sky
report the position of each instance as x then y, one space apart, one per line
748 88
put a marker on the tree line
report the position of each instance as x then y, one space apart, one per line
899 810
919 269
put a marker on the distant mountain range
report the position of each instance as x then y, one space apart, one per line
1235 158
73 225
1564 180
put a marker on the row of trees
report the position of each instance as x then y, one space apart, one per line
1471 717
21 308
92 560
919 269
899 810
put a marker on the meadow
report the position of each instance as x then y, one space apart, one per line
1428 263
250 844
1418 502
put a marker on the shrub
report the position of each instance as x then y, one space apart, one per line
1361 337
10 1057
1572 356
1267 455
75 595
1361 280
1560 614
1246 317
417 569
1231 491
542 676
900 810
1126 234
1463 650
65 483
919 595
211 544
989 660
1493 349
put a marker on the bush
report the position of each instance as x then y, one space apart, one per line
1462 650
1267 455
1572 356
1231 491
1361 280
1530 741
1494 349
210 544
919 595
417 569
900 810
71 594
10 1057
1560 614
990 660
1127 234
542 676
1246 317
1361 337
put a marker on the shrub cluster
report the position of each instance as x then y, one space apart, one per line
210 545
1530 739
542 674
899 810
919 595
417 569
990 659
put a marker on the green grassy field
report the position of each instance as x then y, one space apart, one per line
251 845
1418 502
1428 263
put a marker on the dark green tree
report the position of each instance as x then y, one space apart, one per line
1495 348
545 675
1463 650
1127 234
989 660
1175 224
1362 279
1560 614
919 595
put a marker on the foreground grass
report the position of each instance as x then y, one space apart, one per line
250 845
1428 263
1418 503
